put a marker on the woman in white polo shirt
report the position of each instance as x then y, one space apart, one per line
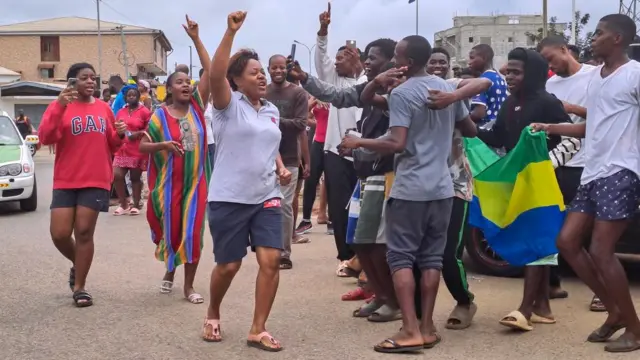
244 194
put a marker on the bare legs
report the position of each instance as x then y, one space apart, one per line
535 297
189 277
570 244
266 287
80 221
119 184
136 185
373 259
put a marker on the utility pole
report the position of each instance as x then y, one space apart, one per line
125 58
99 46
630 8
191 61
574 23
417 16
545 21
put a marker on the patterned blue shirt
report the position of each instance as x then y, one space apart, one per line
493 98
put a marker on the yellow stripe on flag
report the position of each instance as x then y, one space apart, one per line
502 203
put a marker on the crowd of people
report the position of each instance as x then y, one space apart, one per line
389 124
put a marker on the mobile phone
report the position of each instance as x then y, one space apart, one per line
351 44
293 52
72 82
353 132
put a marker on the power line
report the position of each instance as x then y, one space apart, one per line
105 3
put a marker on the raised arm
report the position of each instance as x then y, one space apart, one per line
115 130
466 89
389 78
50 131
325 66
324 91
193 30
220 88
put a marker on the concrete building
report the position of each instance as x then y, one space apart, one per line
42 51
7 76
502 32
29 96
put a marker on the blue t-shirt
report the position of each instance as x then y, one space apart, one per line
493 98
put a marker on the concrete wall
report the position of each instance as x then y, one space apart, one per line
24 54
503 33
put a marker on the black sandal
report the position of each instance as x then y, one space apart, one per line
286 264
72 277
604 333
396 348
82 298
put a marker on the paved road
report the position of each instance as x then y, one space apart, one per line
131 320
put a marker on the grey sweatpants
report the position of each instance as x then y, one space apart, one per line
288 192
416 233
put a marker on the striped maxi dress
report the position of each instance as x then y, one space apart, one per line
178 185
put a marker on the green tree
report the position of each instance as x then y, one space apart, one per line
552 29
582 41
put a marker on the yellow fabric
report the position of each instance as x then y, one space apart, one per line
532 189
388 181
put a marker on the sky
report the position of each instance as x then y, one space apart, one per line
272 25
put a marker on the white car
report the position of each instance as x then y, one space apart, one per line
17 169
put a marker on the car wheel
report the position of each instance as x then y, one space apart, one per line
486 260
31 204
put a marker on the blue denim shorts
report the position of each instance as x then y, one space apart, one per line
234 227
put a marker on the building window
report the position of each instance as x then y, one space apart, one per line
510 39
46 73
471 39
49 48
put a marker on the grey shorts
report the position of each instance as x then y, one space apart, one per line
234 227
92 198
416 233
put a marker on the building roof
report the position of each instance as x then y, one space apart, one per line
7 72
34 84
76 25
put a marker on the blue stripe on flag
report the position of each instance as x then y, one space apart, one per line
354 214
521 242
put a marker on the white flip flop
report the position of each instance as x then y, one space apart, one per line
166 287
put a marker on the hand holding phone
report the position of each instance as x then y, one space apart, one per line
72 82
293 52
351 44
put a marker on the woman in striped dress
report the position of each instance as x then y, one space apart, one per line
178 174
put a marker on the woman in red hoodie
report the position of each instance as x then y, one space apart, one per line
85 134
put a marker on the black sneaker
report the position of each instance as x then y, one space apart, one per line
329 228
304 227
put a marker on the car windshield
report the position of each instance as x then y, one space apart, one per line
8 133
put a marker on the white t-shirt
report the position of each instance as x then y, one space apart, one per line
612 141
572 89
208 117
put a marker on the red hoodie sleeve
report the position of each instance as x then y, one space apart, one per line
50 130
112 136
